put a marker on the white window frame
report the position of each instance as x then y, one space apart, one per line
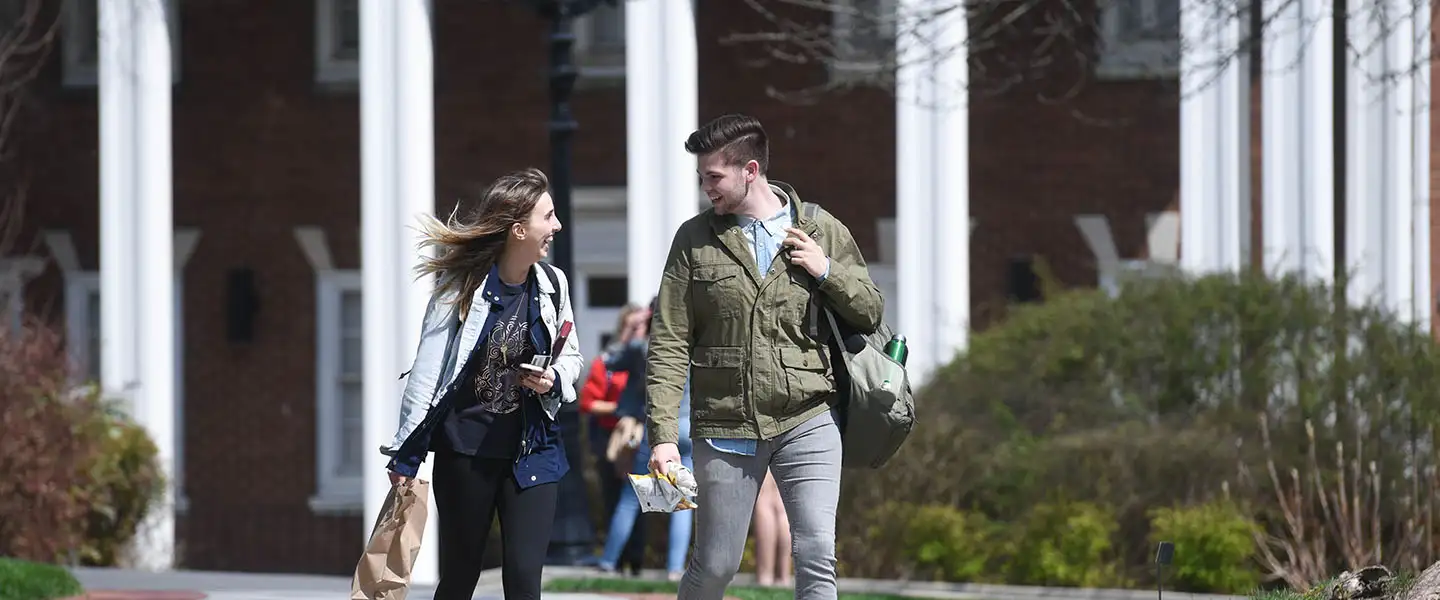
595 63
329 67
333 493
79 73
845 65
1138 59
14 273
80 286
12 306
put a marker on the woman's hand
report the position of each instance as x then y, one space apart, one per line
541 383
396 478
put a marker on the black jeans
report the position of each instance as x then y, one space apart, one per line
469 491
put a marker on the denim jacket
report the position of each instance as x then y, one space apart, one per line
445 344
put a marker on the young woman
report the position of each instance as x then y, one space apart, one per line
599 399
497 356
772 537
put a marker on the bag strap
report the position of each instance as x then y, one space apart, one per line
555 297
811 212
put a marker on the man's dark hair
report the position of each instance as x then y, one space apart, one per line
738 138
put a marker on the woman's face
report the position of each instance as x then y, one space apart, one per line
538 231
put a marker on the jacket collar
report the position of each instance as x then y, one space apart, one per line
493 285
490 287
720 223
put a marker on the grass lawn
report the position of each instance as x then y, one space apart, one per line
21 580
607 585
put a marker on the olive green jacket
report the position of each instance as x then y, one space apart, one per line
741 334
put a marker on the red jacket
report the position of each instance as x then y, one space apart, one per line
602 385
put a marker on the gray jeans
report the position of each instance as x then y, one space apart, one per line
806 465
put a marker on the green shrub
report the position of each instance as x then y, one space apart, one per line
23 580
1064 544
124 483
1149 398
1214 547
954 544
930 541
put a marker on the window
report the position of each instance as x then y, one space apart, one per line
337 41
14 273
10 13
600 42
607 291
81 33
339 391
82 338
864 37
1139 38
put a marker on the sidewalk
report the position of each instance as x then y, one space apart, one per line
252 586
256 586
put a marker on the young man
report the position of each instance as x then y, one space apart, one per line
732 312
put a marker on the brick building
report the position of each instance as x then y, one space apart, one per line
267 208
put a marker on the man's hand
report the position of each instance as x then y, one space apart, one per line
540 382
396 478
663 454
806 252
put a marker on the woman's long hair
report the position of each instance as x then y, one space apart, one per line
466 247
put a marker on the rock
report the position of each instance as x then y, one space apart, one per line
1369 582
1426 586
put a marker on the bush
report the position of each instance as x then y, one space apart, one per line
80 475
1151 398
1214 547
955 545
44 453
22 580
124 483
1064 544
926 541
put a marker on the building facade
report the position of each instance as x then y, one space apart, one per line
266 155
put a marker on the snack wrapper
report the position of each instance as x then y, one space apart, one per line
672 491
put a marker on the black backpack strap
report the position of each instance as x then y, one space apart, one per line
555 297
812 312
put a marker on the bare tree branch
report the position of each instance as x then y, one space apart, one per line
27 34
1056 47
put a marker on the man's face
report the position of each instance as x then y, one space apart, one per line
725 185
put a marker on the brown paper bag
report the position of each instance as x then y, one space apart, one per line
384 569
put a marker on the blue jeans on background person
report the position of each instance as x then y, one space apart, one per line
627 510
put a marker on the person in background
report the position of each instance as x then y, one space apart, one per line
772 537
476 394
599 399
628 356
627 512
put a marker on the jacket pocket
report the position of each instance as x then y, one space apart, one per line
806 377
717 290
717 384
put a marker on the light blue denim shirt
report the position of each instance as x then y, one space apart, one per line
764 237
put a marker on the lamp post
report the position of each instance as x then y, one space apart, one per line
572 538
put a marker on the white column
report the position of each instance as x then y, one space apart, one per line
1419 119
1214 139
398 185
1299 141
932 185
136 258
662 107
1380 155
